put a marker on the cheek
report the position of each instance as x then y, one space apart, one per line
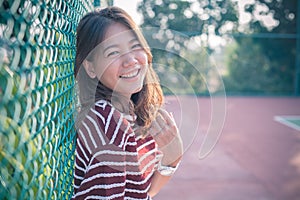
106 74
110 74
109 78
142 58
105 67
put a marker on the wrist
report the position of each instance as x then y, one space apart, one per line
168 162
168 170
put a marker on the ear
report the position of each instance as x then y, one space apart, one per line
89 68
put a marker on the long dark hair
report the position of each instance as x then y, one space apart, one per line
90 33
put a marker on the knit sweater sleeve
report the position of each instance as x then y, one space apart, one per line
105 152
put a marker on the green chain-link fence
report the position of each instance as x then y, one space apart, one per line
37 99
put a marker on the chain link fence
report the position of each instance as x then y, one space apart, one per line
37 98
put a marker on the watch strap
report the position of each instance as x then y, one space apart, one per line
167 170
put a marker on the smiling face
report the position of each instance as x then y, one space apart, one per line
119 62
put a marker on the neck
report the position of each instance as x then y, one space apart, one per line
122 103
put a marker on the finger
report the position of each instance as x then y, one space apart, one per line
172 117
167 117
161 121
155 128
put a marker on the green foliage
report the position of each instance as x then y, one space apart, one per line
261 62
175 23
187 17
19 165
181 74
252 71
265 65
37 101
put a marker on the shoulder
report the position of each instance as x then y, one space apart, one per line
104 121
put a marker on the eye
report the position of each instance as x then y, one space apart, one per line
136 46
113 53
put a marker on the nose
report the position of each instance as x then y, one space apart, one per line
129 60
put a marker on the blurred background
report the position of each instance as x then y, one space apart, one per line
230 71
253 43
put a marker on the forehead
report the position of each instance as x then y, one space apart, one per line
116 33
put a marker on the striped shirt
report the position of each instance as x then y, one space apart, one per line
111 161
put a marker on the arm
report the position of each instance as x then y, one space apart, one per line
168 139
159 181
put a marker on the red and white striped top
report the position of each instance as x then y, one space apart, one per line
111 161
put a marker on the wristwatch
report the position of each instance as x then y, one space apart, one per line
167 170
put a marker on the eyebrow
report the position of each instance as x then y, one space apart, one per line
116 45
109 47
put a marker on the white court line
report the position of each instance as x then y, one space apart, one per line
284 120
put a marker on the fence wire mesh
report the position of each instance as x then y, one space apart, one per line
37 100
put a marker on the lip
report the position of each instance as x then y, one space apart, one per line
130 74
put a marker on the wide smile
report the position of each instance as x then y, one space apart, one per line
129 75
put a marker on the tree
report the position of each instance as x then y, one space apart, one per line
196 18
271 45
175 24
268 57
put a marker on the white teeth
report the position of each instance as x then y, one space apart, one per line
130 75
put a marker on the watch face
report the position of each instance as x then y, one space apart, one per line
166 172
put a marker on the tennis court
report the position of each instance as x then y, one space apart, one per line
257 156
290 121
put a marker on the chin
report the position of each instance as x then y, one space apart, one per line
139 89
130 90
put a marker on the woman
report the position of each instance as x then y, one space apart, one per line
127 145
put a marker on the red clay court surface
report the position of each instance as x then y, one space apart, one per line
256 158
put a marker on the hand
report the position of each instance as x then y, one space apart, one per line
167 137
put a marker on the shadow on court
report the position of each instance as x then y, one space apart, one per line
255 158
